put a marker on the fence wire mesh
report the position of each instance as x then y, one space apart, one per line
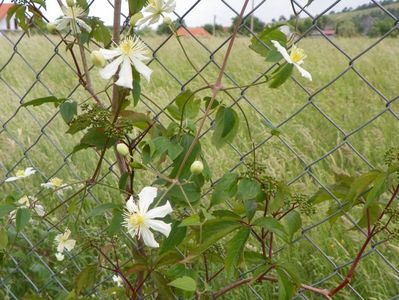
33 137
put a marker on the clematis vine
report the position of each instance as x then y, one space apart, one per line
296 57
30 203
73 18
64 242
130 52
139 219
55 183
21 174
155 10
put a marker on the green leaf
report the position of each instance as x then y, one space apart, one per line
193 220
96 137
286 286
176 236
174 150
22 218
86 278
380 186
100 32
40 101
184 283
116 223
5 209
248 189
250 208
235 248
3 238
160 282
213 231
123 181
371 214
361 184
294 223
281 75
137 119
272 225
68 110
136 5
102 208
226 126
225 189
136 93
262 43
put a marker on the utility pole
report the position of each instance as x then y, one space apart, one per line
214 25
252 16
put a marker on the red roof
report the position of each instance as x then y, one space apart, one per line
196 31
329 32
4 9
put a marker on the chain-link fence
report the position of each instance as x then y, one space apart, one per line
345 135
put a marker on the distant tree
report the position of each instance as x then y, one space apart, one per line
209 28
282 19
325 21
347 29
381 27
303 25
258 24
164 28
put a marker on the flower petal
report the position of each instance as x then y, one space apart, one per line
160 211
39 209
29 171
303 72
125 74
142 68
70 244
12 178
148 238
131 205
146 197
110 53
60 247
61 24
59 256
170 6
282 51
111 68
144 20
83 24
160 226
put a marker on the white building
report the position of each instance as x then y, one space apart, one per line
4 23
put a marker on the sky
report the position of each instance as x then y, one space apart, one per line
205 11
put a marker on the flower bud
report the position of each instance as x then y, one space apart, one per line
70 3
167 21
122 149
197 167
97 59
51 27
135 18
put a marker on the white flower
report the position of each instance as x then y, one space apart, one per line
54 183
130 52
64 242
22 174
31 203
59 256
72 18
139 220
155 10
296 57
118 280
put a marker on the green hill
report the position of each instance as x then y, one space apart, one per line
368 20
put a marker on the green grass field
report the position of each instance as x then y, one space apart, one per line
330 122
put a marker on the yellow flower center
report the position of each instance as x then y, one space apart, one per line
136 220
20 173
297 54
57 182
127 46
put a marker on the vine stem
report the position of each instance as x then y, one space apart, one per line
241 282
359 255
215 89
